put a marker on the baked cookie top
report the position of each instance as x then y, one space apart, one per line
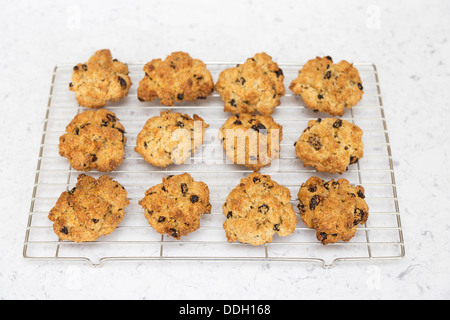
100 80
175 206
170 138
92 209
328 87
334 208
257 209
251 140
178 78
255 86
330 145
94 140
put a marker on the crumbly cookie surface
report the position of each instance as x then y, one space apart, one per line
334 208
178 78
255 86
257 209
94 208
330 145
251 140
100 80
170 138
328 87
94 140
175 206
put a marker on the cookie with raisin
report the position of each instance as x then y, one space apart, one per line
94 140
177 78
333 208
93 208
251 140
255 86
257 209
100 80
175 206
170 138
328 87
330 145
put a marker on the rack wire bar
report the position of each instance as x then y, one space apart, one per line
380 239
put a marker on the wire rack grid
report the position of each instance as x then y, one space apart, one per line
381 238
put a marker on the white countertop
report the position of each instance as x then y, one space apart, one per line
409 41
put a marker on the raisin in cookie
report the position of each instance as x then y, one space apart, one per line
100 80
178 78
254 86
334 209
330 145
170 138
94 208
251 140
175 206
257 209
94 140
328 87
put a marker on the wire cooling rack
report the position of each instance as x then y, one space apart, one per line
381 238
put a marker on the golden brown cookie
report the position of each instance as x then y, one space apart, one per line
330 145
251 140
178 78
328 87
255 86
94 140
100 80
94 208
175 206
170 138
257 209
334 208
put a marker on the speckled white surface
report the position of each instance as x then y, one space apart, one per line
408 40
